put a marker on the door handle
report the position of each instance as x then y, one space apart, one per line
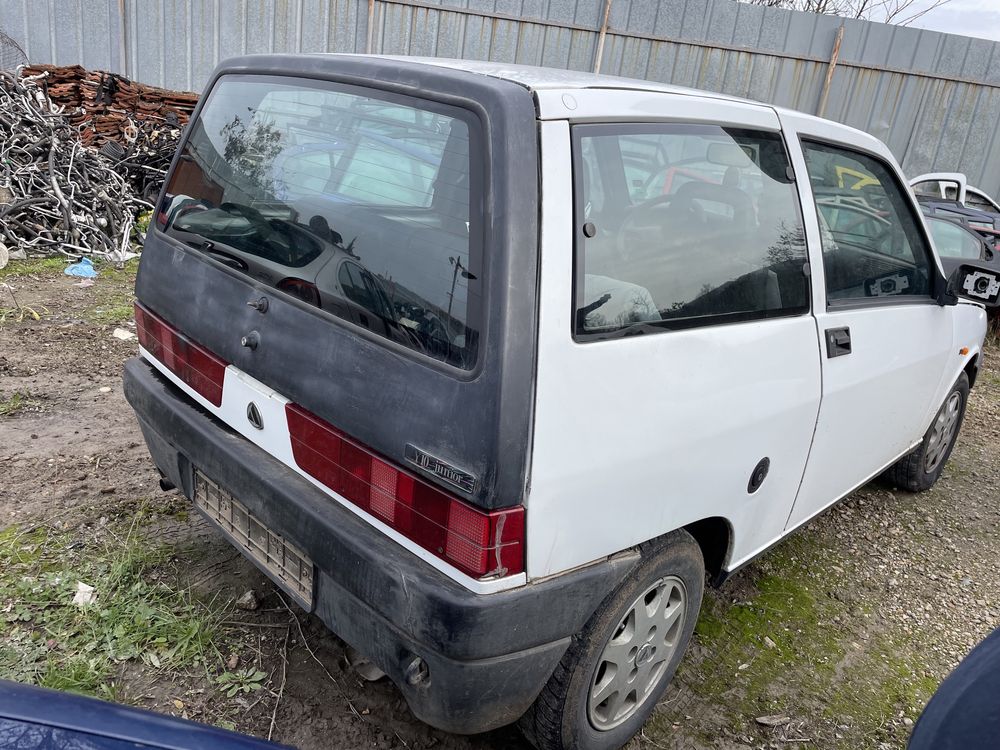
838 342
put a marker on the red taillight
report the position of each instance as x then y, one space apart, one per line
193 364
304 290
477 542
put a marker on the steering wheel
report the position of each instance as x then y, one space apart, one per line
641 217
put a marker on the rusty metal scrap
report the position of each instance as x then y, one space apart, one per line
107 106
136 126
57 195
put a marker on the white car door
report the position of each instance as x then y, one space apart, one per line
950 186
975 198
885 343
676 350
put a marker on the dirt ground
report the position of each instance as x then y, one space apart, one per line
840 634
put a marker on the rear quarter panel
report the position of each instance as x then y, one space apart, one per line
636 437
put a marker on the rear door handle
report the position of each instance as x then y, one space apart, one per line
838 342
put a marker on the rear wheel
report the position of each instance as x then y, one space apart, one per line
615 670
920 469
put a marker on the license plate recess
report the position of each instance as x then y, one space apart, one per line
283 562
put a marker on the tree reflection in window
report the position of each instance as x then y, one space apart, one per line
251 150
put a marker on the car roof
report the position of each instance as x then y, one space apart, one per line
548 81
537 78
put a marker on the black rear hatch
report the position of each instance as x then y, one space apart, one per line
377 208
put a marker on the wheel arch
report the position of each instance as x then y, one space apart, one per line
971 369
715 537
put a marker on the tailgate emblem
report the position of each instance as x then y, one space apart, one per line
254 417
454 476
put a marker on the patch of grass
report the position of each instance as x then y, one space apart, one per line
788 611
797 643
115 308
114 305
883 682
53 265
136 616
990 378
45 266
16 403
124 272
114 294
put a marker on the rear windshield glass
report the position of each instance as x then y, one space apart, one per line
352 201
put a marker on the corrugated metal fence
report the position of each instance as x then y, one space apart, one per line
934 98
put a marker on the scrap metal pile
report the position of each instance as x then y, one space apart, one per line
79 162
135 125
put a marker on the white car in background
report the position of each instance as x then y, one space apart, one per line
954 186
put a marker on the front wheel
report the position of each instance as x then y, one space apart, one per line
615 670
920 469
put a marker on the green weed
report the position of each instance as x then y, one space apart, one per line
142 223
15 403
136 615
49 265
243 681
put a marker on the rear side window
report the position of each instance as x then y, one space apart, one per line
684 225
872 243
350 200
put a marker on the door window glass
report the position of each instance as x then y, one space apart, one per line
930 188
872 243
684 225
954 241
980 201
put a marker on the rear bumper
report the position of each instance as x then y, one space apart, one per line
488 655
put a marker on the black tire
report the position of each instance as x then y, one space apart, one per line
914 472
559 718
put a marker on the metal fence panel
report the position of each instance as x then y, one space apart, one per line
83 32
934 98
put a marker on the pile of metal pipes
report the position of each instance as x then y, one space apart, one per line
56 194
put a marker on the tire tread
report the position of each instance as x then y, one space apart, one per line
543 723
907 473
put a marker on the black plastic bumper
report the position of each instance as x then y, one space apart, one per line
488 655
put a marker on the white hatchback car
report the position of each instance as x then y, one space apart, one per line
955 187
596 339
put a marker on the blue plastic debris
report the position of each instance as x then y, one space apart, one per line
84 269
